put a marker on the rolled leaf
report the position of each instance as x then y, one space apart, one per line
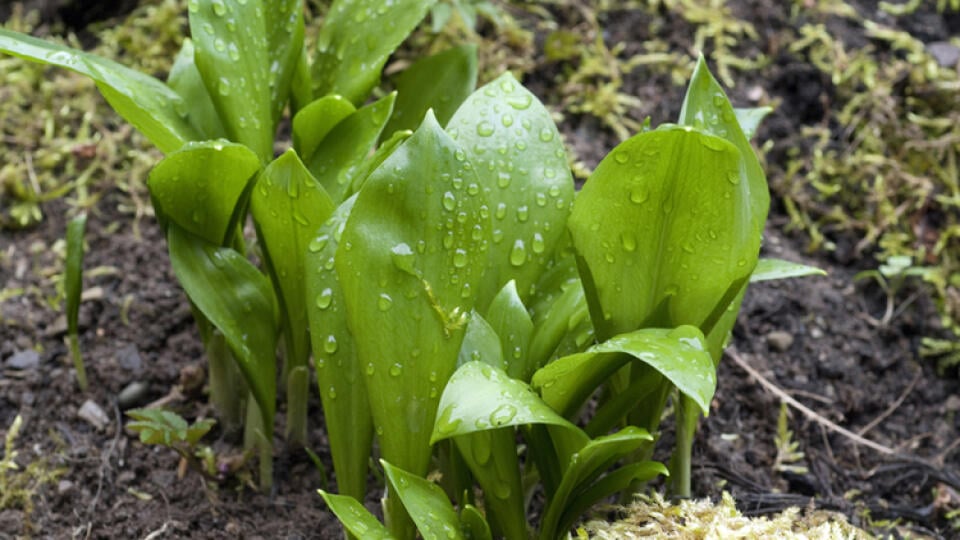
425 502
313 122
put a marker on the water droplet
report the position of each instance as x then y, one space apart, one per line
506 120
718 100
459 258
384 302
628 241
403 258
521 145
485 129
712 143
507 86
473 188
501 490
687 248
193 6
332 392
518 255
330 344
733 177
523 213
325 298
503 414
465 291
219 44
497 236
369 369
208 28
501 211
621 157
460 155
396 369
503 179
521 102
546 134
538 244
449 201
224 86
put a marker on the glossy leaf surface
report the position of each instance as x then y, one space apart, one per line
750 119
339 373
199 187
233 57
237 299
409 260
355 518
520 159
770 269
356 39
440 82
313 122
679 354
663 231
185 80
149 105
426 503
340 156
509 319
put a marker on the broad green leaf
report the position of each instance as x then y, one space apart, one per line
340 156
284 30
288 206
355 518
473 524
233 55
440 82
236 298
479 397
313 122
355 41
301 87
663 230
426 503
707 108
185 79
750 118
481 343
379 156
584 467
616 481
199 187
478 405
519 156
679 354
509 319
770 269
409 260
339 374
149 105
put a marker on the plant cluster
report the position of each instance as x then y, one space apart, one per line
428 251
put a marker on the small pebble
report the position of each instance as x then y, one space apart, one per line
129 359
779 340
64 487
93 414
28 359
945 53
132 395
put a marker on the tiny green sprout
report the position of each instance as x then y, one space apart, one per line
162 427
73 290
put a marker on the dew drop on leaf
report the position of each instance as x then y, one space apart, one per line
449 201
459 258
628 241
384 302
325 298
518 255
546 134
523 213
538 244
396 369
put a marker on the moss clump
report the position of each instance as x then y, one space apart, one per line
653 517
19 486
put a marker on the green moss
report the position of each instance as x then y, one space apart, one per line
20 485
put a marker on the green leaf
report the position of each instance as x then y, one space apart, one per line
284 29
339 373
511 139
185 79
408 284
356 39
160 426
151 106
355 518
379 156
750 118
199 187
288 206
481 343
426 503
473 524
509 319
339 157
706 107
679 354
663 230
440 82
584 467
479 397
770 269
233 56
236 298
561 318
313 122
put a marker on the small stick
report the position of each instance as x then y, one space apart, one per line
809 413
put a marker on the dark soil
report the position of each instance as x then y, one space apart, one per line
815 338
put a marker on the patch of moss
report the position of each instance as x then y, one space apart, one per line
19 485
